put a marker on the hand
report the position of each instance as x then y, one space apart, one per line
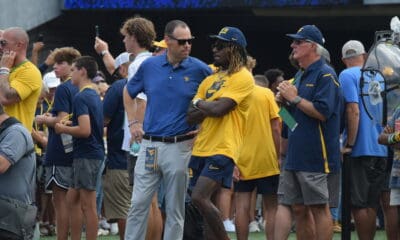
236 174
37 46
8 58
287 90
50 58
59 128
100 45
136 132
388 130
40 119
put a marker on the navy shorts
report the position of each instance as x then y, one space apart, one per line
218 167
266 185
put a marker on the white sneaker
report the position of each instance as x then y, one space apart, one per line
102 232
229 226
104 224
114 228
253 227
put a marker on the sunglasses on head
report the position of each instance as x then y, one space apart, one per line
219 45
182 41
301 41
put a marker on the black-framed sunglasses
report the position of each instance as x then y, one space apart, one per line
219 45
3 42
183 41
301 41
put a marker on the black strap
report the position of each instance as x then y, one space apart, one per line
7 123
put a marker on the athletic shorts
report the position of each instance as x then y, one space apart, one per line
218 168
266 185
117 194
367 181
59 175
85 173
308 188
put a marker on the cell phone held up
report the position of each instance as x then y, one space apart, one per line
40 38
97 31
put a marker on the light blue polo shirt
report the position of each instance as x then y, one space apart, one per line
169 92
314 145
368 129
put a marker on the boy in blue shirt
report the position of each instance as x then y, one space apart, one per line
87 132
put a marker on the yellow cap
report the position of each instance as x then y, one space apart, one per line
160 44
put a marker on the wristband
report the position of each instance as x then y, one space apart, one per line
390 139
103 53
296 100
133 122
195 102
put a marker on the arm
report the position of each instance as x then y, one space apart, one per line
49 120
82 130
217 108
194 116
8 95
276 134
39 138
101 48
37 47
4 164
353 118
134 124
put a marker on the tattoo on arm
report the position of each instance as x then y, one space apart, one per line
8 93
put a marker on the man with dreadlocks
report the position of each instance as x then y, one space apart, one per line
221 106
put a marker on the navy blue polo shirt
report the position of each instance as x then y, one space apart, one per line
314 145
169 92
55 154
88 102
113 108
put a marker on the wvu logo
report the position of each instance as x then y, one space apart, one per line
151 152
186 78
214 88
223 31
301 29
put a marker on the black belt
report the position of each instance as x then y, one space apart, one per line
173 139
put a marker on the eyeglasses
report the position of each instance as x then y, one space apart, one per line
301 41
219 45
3 42
182 41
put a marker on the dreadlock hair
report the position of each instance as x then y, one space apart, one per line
237 56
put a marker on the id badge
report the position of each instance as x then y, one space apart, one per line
151 159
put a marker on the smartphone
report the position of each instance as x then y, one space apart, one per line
40 37
96 28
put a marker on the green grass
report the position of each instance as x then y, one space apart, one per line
380 235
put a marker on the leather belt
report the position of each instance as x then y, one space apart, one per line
172 139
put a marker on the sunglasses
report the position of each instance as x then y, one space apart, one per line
3 42
182 41
219 45
301 41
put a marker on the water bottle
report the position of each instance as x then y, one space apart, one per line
135 147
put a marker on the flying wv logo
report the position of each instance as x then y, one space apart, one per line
215 87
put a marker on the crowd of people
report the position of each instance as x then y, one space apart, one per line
175 148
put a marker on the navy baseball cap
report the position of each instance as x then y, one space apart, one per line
231 34
309 32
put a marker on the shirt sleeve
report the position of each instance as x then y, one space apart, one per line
7 147
62 99
135 85
240 87
111 100
26 82
327 94
349 87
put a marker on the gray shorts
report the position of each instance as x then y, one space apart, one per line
334 181
59 175
85 173
308 188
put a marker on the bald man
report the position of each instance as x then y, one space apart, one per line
20 80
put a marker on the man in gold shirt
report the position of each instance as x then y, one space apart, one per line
221 106
20 80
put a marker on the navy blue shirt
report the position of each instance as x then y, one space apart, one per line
314 145
169 91
88 102
55 154
113 108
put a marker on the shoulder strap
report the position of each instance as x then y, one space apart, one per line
7 123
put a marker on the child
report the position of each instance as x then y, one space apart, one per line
88 147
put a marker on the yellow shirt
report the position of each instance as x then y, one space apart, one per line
27 81
224 135
258 157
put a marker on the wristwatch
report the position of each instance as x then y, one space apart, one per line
296 100
349 146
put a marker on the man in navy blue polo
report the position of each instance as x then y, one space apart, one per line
170 81
313 146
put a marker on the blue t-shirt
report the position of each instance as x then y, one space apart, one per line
113 108
55 154
169 92
314 145
88 102
366 143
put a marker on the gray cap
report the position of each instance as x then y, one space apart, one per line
352 48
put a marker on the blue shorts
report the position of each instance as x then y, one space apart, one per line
266 185
218 167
